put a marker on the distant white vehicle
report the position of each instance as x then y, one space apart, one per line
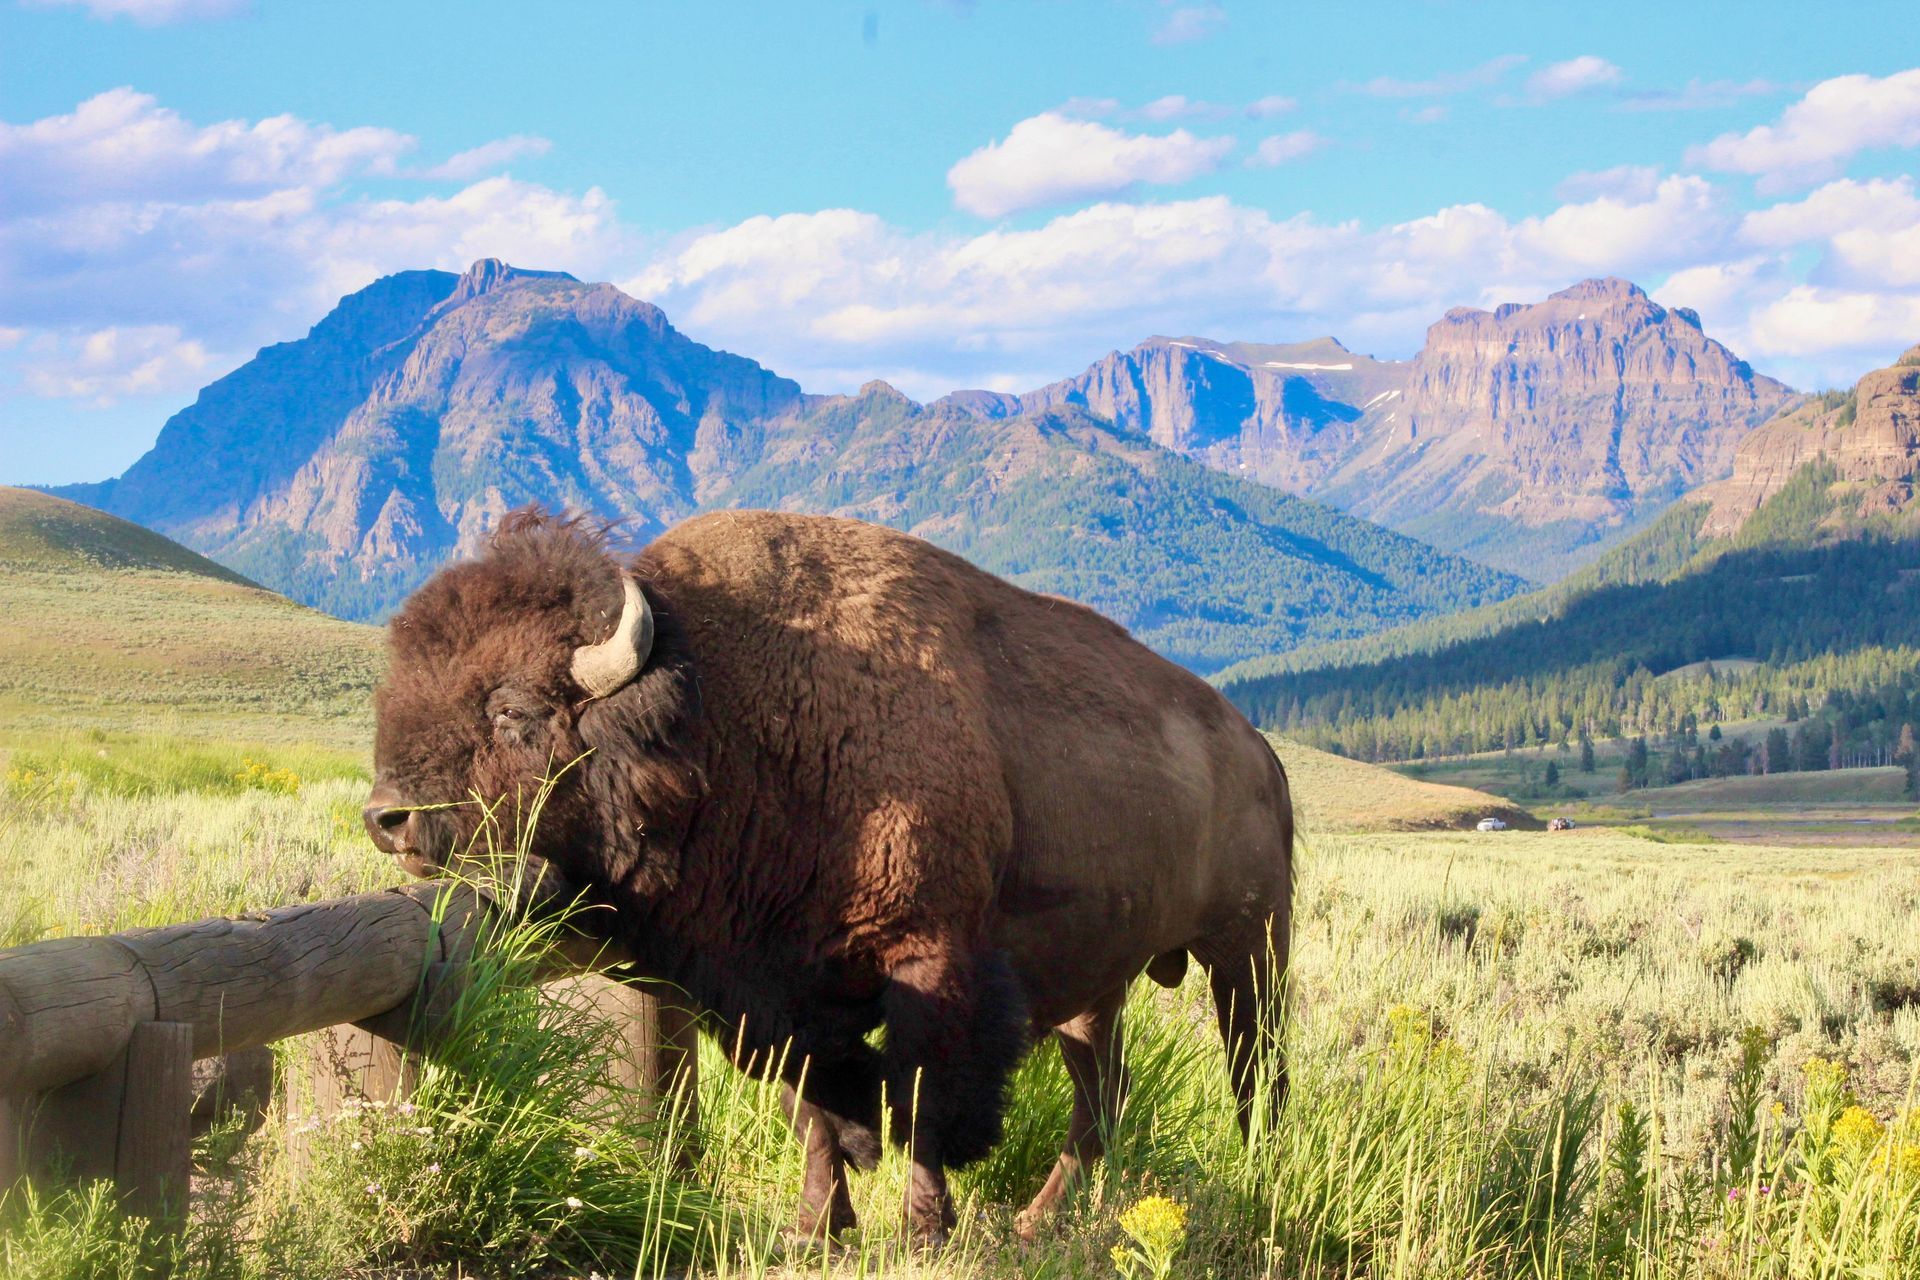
1491 824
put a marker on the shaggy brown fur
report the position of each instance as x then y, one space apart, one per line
858 781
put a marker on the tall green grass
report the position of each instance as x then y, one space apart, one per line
1582 1056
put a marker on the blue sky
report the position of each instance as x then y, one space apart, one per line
941 194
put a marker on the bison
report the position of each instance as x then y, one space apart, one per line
824 776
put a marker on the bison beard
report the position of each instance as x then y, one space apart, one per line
825 777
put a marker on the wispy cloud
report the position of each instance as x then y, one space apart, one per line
487 157
1188 23
1488 73
1274 104
1576 75
1621 182
151 13
1282 147
1698 95
1177 106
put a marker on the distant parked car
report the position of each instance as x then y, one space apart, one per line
1491 824
1560 824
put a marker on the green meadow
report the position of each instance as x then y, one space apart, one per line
1638 1049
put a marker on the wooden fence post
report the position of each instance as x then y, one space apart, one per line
343 1064
658 1050
130 1122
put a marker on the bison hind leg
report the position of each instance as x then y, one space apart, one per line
1169 968
957 1026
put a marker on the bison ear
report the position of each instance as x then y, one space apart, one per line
606 668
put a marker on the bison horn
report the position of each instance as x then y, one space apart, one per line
605 668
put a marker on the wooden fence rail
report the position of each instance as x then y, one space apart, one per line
98 1035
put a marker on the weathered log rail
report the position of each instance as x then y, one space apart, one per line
98 1035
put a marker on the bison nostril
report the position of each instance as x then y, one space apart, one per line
385 821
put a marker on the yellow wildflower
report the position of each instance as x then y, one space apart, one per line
1823 1074
1856 1130
1158 1228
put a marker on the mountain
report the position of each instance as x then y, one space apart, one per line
1805 561
1204 567
344 467
107 625
1282 415
1529 437
1868 438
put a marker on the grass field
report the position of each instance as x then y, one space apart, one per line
1629 1052
1486 1031
105 625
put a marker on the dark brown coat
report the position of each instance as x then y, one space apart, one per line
859 780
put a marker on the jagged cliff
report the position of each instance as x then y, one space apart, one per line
1528 431
1869 437
1285 415
1528 436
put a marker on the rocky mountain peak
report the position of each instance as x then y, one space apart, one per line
1601 288
489 274
1532 434
886 392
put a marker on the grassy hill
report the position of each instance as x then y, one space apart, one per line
1791 618
105 625
1334 794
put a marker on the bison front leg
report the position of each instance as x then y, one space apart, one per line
826 1208
956 1028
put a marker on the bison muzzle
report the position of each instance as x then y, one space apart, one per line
824 776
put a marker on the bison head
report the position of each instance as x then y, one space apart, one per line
536 682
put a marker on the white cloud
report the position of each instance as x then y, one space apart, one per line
1697 95
152 13
1870 231
1816 136
126 220
1681 220
1575 75
487 157
123 145
1274 104
1279 148
1623 181
1847 205
1050 158
1177 106
1435 113
1090 108
1487 73
839 289
1189 23
1810 321
109 363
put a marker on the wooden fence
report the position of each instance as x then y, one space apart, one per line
99 1036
